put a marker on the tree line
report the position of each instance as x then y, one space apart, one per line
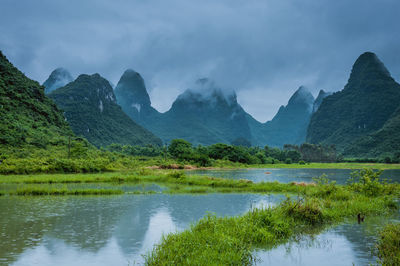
184 151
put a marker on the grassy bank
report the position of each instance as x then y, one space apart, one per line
388 247
100 162
231 240
40 191
178 182
355 166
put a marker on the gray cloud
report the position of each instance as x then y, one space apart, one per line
264 49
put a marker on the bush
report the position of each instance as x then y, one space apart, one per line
201 160
177 174
261 156
270 160
388 246
180 149
309 211
367 182
302 162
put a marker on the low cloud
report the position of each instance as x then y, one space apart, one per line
263 49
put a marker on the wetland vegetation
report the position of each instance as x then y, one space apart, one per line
232 240
388 246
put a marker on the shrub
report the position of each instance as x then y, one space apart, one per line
177 174
180 149
308 211
367 181
388 246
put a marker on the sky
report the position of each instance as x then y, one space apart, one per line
262 49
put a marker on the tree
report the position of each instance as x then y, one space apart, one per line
180 149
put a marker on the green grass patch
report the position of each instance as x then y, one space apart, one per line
149 192
40 191
231 240
377 166
388 246
177 182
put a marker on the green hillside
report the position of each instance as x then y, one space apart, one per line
91 109
383 143
27 116
366 103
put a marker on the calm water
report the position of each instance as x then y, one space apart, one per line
289 175
343 245
108 230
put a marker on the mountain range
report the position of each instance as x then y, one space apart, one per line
205 114
363 119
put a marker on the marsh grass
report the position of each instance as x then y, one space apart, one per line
148 192
388 246
43 191
231 240
178 182
355 166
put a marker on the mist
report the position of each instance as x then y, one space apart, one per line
264 50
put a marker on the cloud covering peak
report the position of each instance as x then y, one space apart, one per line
261 49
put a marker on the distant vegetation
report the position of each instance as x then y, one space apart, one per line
183 151
79 156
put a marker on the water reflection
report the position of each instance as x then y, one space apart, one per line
347 244
88 230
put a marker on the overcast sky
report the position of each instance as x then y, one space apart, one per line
263 49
